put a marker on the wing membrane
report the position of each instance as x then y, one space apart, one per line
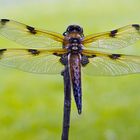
114 39
30 60
29 36
104 64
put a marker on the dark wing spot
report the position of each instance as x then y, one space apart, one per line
2 51
34 52
3 21
114 56
113 33
57 54
136 26
31 29
93 55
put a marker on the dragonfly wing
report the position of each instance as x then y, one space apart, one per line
114 39
104 64
39 61
29 36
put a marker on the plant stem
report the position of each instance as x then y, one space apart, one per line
67 104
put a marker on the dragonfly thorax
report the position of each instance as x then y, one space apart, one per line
75 40
75 48
74 45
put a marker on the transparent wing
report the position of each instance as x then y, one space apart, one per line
35 61
29 36
104 64
114 39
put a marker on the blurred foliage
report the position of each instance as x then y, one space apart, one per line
31 106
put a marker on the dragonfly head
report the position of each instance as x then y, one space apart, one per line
73 29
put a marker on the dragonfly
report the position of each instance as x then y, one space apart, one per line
49 52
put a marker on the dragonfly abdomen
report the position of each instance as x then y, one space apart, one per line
75 74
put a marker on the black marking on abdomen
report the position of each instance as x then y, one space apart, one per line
31 29
114 56
34 51
3 21
113 33
136 26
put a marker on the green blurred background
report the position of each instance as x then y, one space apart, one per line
31 106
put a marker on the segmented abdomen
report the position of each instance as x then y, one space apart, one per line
75 74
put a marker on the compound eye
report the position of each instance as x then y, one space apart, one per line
74 28
79 29
71 29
